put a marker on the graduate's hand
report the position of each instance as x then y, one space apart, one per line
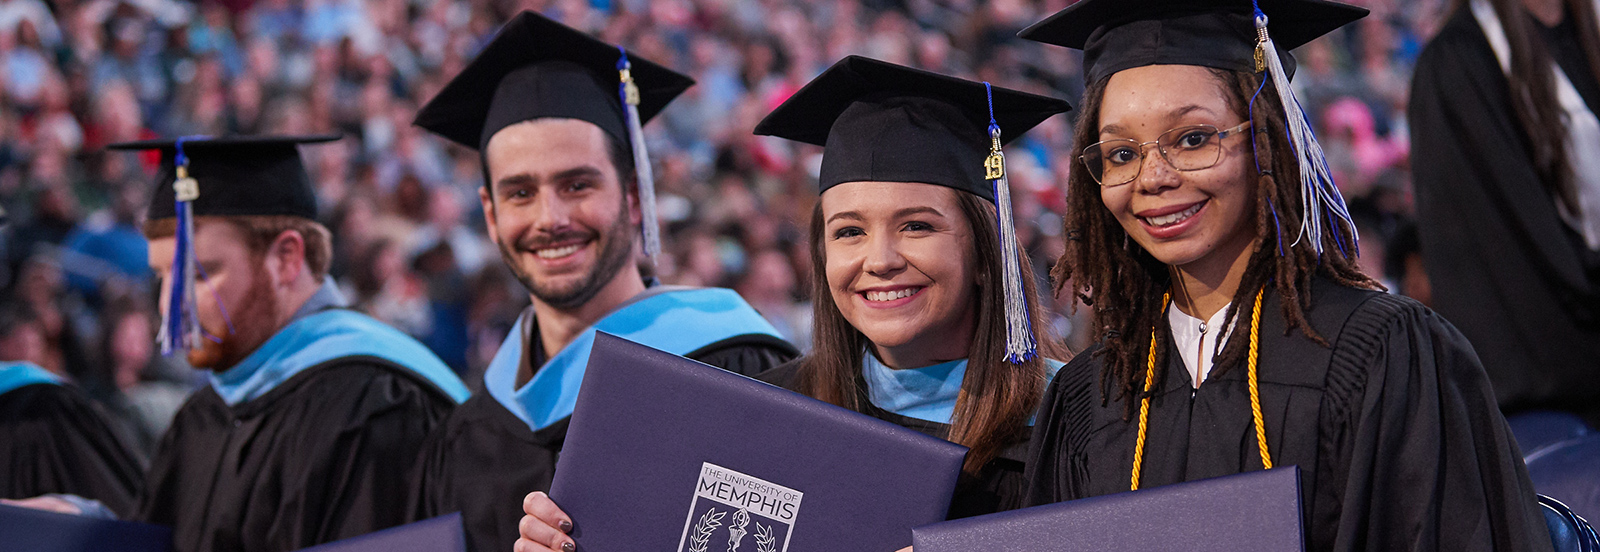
545 527
46 503
906 549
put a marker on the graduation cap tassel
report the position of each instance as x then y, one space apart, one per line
1318 193
180 322
641 158
1020 345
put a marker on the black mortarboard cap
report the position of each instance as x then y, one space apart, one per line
1123 34
238 176
882 122
536 68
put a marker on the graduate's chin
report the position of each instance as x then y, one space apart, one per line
206 357
217 357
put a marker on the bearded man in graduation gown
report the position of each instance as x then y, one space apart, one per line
315 413
1508 193
565 200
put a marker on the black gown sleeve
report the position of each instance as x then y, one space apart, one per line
54 440
1056 462
358 487
481 462
1417 456
748 355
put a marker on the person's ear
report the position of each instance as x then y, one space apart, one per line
286 257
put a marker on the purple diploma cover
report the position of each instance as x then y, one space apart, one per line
667 454
1258 511
440 534
40 531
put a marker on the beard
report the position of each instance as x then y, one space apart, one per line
249 326
616 251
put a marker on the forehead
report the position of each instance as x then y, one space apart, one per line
213 238
884 198
547 145
1161 95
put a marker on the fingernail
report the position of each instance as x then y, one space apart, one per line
568 547
565 526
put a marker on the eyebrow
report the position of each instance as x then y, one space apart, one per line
577 172
902 213
1175 114
525 179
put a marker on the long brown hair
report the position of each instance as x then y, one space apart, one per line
1124 283
997 398
1533 88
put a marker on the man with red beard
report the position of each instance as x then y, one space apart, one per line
544 105
315 413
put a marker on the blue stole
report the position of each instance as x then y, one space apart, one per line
22 374
677 320
928 393
329 335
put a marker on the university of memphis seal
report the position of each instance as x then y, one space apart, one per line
734 512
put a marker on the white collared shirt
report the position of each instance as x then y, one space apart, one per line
1198 341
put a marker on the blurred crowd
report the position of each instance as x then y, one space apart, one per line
410 247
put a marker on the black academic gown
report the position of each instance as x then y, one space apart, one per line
54 440
1395 430
1518 282
323 456
996 488
484 460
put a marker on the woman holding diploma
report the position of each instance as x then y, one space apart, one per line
1217 254
925 308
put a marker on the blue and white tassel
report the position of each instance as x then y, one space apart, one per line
1322 200
641 158
1020 344
180 322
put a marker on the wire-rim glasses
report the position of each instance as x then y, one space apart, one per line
1187 148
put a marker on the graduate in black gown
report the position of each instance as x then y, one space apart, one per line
315 413
1239 334
567 199
54 440
919 322
1508 194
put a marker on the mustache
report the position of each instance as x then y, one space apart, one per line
545 240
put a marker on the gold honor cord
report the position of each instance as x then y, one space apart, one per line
1255 393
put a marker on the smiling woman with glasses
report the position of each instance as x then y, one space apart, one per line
1239 334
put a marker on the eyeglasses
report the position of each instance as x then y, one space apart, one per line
1189 148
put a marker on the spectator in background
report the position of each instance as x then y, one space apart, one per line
41 288
109 244
387 291
22 337
140 389
768 285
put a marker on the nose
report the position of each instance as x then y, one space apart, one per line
883 257
551 214
1155 173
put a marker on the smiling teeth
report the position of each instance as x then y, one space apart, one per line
1169 220
558 252
880 296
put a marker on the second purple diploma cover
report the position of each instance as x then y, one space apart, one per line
665 453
